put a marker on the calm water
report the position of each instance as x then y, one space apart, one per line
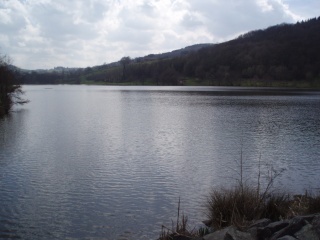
96 162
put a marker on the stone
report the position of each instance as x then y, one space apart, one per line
307 232
261 223
309 218
253 232
253 228
295 225
180 237
301 228
287 237
218 235
234 234
271 229
316 224
229 233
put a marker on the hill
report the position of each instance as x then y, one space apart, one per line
176 53
281 55
96 74
286 54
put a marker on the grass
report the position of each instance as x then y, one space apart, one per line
241 206
180 228
285 84
245 203
307 203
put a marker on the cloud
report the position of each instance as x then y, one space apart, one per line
306 8
225 19
78 33
192 21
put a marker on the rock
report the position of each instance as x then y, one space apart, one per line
303 228
316 224
295 225
234 234
261 223
307 232
253 228
253 232
287 237
309 218
271 229
218 235
180 237
229 233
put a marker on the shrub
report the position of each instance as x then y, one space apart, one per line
276 207
179 229
244 204
314 204
231 206
240 206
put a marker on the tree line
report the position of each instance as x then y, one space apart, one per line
281 55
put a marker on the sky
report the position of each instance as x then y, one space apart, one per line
43 34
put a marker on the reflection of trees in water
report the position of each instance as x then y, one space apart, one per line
12 128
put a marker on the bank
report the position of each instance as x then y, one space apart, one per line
241 214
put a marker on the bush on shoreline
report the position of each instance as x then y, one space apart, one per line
244 204
241 207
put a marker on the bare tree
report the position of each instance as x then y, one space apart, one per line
10 90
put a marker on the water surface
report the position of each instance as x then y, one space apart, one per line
98 162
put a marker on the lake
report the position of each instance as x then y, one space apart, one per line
110 162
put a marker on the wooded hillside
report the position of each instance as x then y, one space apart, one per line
282 55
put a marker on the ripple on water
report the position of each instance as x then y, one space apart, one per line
100 164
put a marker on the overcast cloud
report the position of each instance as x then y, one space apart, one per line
79 33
